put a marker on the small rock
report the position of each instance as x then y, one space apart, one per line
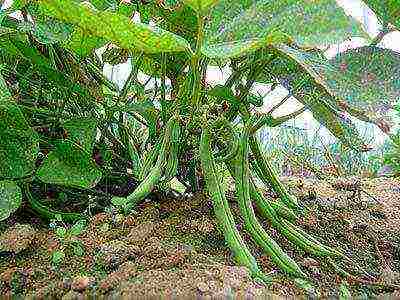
377 214
124 272
140 233
360 228
309 262
81 283
7 275
116 252
389 276
17 238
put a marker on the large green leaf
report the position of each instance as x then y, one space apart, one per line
298 72
82 131
256 23
83 44
11 198
70 166
388 11
71 162
18 143
116 28
366 79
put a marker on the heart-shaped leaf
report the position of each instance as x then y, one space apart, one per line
82 131
11 198
255 23
368 80
18 143
69 166
71 162
116 28
365 82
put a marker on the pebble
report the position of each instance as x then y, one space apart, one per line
17 238
116 252
81 283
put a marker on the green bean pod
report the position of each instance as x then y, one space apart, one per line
269 176
222 210
147 185
253 226
171 167
283 211
293 233
149 160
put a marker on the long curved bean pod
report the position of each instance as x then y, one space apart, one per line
283 211
222 210
146 186
269 177
253 226
293 233
173 158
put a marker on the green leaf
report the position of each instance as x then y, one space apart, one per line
78 228
387 11
61 232
11 198
83 44
48 30
82 131
365 82
367 79
57 257
119 201
69 165
238 27
18 144
201 6
297 71
116 28
71 162
78 248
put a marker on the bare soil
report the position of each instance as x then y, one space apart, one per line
173 248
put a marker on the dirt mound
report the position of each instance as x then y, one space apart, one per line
173 248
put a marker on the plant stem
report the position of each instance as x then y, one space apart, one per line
196 66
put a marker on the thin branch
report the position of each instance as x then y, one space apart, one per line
384 31
275 107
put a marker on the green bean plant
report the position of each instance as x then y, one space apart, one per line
65 129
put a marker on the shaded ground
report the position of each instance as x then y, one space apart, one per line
173 248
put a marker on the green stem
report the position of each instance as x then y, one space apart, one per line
196 66
48 213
